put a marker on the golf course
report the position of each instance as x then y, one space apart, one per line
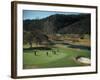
58 55
56 39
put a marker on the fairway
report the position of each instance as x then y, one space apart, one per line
65 57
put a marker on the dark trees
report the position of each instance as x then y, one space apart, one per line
60 23
28 38
38 30
35 36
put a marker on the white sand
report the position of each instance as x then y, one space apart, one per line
84 60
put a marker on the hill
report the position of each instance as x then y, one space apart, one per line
60 23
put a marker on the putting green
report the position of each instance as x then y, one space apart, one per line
63 58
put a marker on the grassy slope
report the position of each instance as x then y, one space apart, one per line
64 58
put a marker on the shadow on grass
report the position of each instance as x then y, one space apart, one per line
75 46
82 47
79 47
38 48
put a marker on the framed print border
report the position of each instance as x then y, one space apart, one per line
14 41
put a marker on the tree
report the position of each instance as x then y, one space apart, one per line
28 38
35 36
48 27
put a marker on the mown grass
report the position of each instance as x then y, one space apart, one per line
65 57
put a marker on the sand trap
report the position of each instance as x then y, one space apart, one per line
84 60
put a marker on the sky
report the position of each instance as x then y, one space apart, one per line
31 14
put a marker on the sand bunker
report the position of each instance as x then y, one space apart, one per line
84 60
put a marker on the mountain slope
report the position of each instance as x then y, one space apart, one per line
82 26
60 23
